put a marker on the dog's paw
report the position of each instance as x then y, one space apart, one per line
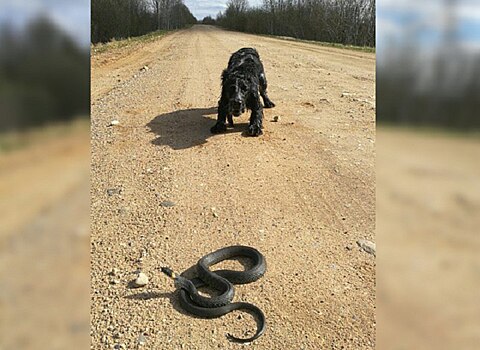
268 104
255 130
218 128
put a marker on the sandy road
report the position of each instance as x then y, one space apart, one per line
44 240
302 193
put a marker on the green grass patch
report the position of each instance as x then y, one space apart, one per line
118 44
322 43
17 140
430 130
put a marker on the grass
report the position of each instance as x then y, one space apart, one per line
322 43
17 140
117 44
430 130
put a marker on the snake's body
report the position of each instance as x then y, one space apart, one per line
222 281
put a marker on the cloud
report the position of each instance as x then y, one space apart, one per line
427 19
73 16
203 8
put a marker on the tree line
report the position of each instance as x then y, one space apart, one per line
117 19
44 76
349 22
443 92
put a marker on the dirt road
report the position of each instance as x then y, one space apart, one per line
44 240
427 196
303 193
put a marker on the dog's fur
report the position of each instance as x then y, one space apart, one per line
242 82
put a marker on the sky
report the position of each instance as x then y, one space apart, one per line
397 20
71 15
425 22
204 8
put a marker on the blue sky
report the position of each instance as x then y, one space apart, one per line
204 8
424 22
71 15
397 20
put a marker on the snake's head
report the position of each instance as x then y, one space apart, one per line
180 282
169 272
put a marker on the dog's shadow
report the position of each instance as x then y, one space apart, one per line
187 127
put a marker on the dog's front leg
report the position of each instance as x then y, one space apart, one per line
220 126
256 118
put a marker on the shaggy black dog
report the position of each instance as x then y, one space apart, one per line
242 81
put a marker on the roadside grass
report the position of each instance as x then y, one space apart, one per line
319 43
430 130
118 44
322 43
17 140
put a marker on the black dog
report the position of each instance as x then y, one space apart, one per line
241 83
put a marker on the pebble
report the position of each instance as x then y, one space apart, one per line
276 119
367 246
141 280
114 122
141 339
112 191
167 204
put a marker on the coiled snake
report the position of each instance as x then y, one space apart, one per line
222 281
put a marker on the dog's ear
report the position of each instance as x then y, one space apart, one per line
224 75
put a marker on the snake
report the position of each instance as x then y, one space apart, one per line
221 281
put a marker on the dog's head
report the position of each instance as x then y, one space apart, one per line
235 90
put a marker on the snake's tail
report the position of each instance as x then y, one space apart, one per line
261 323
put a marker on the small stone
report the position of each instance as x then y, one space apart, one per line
346 94
114 122
276 119
349 247
112 191
115 281
167 204
367 246
114 272
122 211
141 280
141 339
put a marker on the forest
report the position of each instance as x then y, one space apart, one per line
118 19
349 22
44 76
